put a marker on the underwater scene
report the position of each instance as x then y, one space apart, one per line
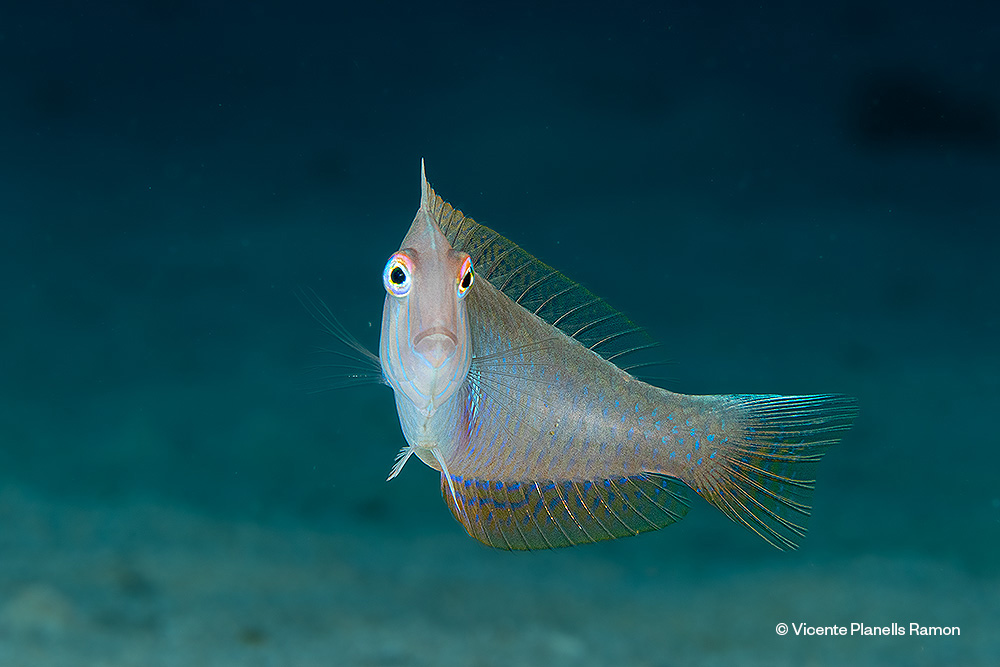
217 343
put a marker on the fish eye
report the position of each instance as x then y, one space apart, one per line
465 277
397 275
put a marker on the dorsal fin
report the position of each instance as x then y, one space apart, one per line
538 287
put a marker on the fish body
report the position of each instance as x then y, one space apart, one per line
504 378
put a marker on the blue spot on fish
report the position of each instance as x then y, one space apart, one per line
710 437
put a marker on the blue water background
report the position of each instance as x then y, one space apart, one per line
792 199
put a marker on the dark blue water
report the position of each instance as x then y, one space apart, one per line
793 200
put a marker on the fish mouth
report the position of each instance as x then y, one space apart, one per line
435 331
436 345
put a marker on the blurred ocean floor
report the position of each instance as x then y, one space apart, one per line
147 584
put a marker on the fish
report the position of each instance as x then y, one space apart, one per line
509 379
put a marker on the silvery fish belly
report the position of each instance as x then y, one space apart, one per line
509 379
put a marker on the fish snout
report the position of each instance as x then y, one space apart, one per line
436 345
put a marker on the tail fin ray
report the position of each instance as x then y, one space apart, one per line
765 476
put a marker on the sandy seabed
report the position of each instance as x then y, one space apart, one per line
152 585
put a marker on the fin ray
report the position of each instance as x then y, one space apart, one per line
765 477
538 287
546 514
335 372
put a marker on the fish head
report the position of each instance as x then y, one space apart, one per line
424 347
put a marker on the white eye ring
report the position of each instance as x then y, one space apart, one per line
466 277
397 275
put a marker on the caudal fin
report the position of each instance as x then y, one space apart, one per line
765 474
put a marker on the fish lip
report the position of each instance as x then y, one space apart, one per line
442 331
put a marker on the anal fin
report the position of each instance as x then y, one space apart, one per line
561 513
